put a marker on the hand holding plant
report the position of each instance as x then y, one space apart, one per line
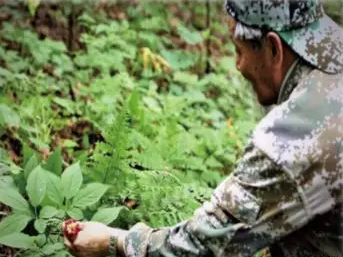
90 239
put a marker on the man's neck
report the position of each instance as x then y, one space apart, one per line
297 70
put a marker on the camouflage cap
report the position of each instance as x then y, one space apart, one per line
302 24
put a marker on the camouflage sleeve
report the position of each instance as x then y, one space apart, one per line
256 205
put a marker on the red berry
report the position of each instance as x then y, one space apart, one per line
71 229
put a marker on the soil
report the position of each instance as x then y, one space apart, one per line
76 132
5 251
60 22
12 145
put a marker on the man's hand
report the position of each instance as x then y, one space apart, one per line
93 239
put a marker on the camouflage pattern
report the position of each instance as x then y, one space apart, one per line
285 192
301 23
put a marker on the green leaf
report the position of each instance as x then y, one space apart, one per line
191 37
18 240
228 64
38 143
30 165
36 186
67 143
55 189
6 181
62 253
32 5
107 215
185 78
8 117
28 152
13 223
71 180
213 163
67 104
48 212
75 213
12 198
40 225
89 195
52 248
40 240
4 72
179 59
152 104
54 163
133 103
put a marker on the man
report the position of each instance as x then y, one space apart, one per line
286 191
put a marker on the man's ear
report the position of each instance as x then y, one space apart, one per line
276 53
275 56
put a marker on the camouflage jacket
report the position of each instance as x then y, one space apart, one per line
285 192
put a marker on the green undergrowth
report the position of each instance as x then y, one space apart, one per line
138 124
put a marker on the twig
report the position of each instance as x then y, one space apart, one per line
208 26
71 23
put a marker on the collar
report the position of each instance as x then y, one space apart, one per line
298 70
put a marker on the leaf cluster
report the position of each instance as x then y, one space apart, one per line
139 120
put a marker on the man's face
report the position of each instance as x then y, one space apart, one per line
255 67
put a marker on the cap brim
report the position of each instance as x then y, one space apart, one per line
320 43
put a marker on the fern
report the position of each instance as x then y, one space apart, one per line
118 140
109 157
167 197
164 195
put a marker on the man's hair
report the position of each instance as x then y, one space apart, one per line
253 36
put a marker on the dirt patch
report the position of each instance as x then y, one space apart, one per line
59 22
12 145
81 135
4 250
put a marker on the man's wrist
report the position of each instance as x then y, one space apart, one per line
112 245
120 243
116 242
